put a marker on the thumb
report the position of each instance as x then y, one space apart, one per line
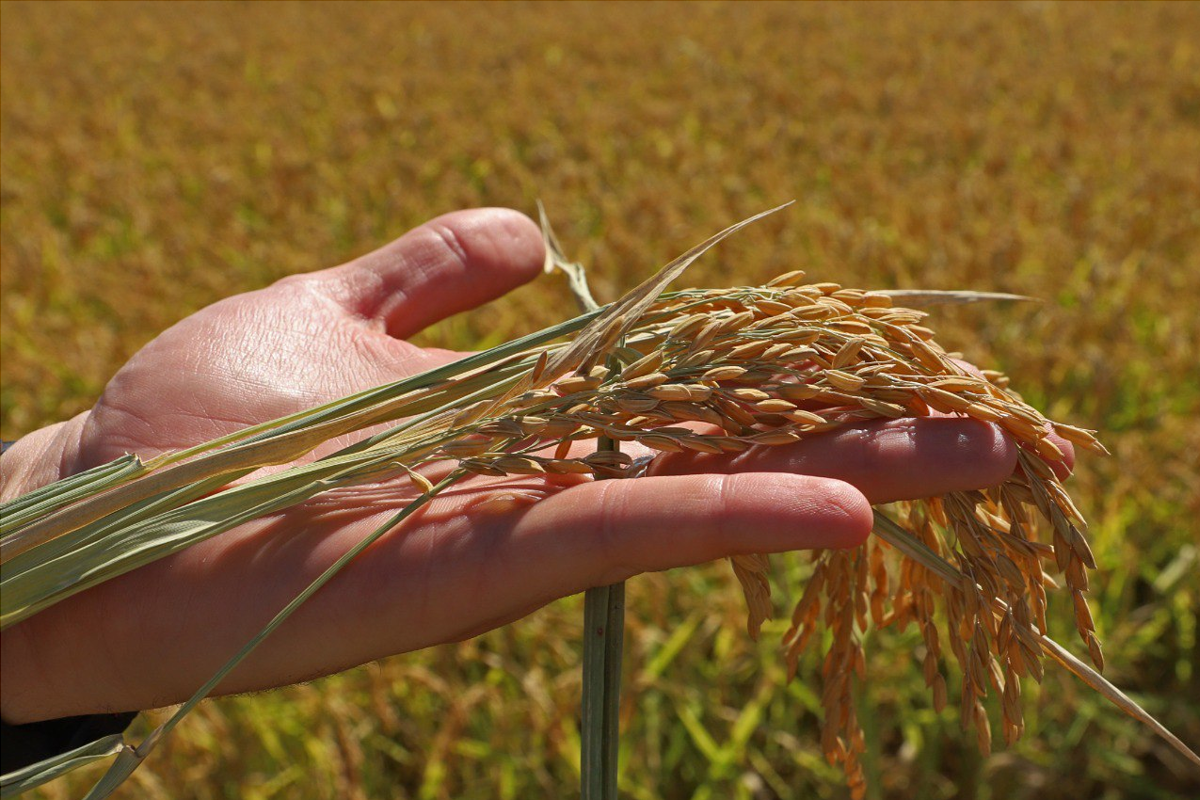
450 264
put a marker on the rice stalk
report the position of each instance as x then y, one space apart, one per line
603 606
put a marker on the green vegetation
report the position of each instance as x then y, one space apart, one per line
157 158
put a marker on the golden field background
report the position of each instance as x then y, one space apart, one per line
156 158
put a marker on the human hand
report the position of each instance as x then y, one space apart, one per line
486 552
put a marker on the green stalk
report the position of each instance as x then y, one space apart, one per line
604 633
603 608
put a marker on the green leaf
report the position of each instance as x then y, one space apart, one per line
26 778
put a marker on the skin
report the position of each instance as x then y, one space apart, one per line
488 552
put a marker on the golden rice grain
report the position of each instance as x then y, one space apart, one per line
787 279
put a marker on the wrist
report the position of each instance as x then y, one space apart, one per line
35 460
41 457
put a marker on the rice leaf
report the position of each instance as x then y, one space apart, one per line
1114 695
935 297
22 780
124 766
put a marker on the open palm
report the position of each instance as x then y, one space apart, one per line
486 552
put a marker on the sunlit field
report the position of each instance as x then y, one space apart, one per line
156 158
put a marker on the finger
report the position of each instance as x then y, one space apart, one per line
451 264
902 459
600 532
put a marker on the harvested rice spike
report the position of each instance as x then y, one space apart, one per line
696 360
735 323
704 337
1049 450
1081 548
926 334
419 481
576 383
470 414
927 355
1027 414
772 309
536 397
814 312
844 380
875 300
987 414
956 384
518 465
729 444
624 354
665 444
748 394
774 437
692 412
646 381
1021 429
801 296
1081 437
850 325
939 693
636 405
568 466
1035 467
942 400
751 572
688 326
735 413
777 324
532 425
1095 651
643 366
772 406
799 336
848 352
560 428
883 409
747 351
774 353
670 391
539 367
464 448
996 378
792 278
700 444
608 458
983 730
1083 614
851 297
503 428
800 392
481 468
717 374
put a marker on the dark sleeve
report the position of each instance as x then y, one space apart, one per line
22 745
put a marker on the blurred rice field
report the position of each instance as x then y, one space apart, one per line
156 158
